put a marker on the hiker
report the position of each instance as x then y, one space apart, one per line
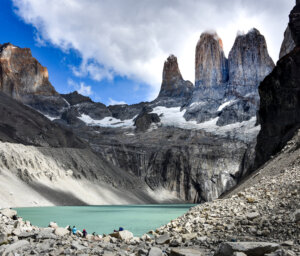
74 230
121 229
84 233
69 229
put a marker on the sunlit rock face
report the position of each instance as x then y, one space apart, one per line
288 43
21 74
23 78
211 67
249 61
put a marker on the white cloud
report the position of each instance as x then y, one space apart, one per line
81 88
115 102
133 38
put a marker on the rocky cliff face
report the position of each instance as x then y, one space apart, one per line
249 62
288 43
211 67
25 79
280 100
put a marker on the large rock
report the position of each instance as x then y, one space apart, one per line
249 248
248 61
154 251
8 212
163 239
211 67
61 231
123 235
185 252
144 120
15 247
3 239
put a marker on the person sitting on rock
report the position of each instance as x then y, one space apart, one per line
74 230
84 233
121 229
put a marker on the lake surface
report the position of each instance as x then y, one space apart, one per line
138 219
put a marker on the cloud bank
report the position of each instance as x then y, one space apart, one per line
132 38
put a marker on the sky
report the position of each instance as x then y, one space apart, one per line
114 51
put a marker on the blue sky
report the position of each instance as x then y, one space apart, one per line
113 51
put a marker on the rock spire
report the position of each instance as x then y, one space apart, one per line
173 84
211 67
249 61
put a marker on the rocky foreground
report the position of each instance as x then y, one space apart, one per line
260 217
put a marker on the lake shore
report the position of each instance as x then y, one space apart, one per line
263 218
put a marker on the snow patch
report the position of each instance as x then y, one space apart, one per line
175 118
107 122
225 104
52 117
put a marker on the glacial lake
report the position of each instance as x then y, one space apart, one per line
138 219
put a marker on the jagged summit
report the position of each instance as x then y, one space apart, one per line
23 75
173 84
211 68
75 98
249 61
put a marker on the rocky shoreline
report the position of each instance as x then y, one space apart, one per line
262 218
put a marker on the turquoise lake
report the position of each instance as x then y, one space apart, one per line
138 219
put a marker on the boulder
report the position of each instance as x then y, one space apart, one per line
15 246
154 251
53 225
163 239
3 239
185 252
296 215
252 215
123 235
249 248
61 231
8 212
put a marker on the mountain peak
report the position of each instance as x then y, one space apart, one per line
211 67
173 84
171 70
249 61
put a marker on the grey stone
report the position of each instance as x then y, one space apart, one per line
8 212
163 239
61 231
296 215
249 248
252 215
185 252
3 239
154 251
16 246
